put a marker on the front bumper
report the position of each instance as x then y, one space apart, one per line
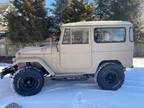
8 70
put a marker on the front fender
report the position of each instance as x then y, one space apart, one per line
37 60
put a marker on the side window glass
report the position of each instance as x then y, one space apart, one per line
80 36
76 36
67 37
108 35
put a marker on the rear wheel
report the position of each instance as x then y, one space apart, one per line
28 81
110 76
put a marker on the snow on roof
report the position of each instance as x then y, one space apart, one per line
4 6
98 23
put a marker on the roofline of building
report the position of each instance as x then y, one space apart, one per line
4 6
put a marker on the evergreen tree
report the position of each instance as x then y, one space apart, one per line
70 11
102 9
28 21
59 5
126 10
57 16
77 11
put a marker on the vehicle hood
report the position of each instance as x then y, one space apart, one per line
34 51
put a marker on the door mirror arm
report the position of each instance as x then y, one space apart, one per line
57 46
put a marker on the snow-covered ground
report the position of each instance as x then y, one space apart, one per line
139 62
81 94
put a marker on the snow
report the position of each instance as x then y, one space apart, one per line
81 94
139 62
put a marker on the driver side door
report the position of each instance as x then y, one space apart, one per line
75 50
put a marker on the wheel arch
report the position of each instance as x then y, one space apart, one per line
109 61
37 60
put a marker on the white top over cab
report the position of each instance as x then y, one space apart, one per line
84 45
98 23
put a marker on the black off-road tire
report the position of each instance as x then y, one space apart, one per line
28 81
110 76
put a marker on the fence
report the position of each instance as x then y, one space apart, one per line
11 49
8 50
139 50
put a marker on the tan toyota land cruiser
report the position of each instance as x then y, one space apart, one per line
98 49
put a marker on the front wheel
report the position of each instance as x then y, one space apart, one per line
28 81
110 76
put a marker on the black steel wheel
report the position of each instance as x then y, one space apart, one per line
28 81
110 76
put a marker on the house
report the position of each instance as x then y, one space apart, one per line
3 29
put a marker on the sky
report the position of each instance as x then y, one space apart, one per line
48 2
4 1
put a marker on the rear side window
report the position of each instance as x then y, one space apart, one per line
76 36
109 35
131 34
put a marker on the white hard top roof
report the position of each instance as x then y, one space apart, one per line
98 23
